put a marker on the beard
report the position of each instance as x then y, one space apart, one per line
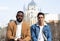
19 20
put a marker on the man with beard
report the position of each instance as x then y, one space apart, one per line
18 30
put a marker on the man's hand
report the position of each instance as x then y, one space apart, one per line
19 39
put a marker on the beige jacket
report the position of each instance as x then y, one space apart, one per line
11 31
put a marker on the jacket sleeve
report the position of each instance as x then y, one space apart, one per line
9 32
33 36
49 34
28 34
28 38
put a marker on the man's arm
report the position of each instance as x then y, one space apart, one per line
28 38
28 34
33 36
49 35
9 31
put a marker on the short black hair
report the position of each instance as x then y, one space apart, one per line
40 13
20 12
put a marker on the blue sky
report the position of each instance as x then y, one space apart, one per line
9 8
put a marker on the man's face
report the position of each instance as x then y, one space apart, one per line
19 17
40 18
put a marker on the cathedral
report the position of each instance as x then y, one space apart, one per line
31 13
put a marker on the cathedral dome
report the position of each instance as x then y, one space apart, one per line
32 3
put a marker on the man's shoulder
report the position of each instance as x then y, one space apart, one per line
25 23
12 22
33 26
47 26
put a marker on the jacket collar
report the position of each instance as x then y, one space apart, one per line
45 24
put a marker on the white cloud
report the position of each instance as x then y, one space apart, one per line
3 8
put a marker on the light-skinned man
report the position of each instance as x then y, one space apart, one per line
41 31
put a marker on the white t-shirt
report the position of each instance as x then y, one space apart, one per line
40 36
18 31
